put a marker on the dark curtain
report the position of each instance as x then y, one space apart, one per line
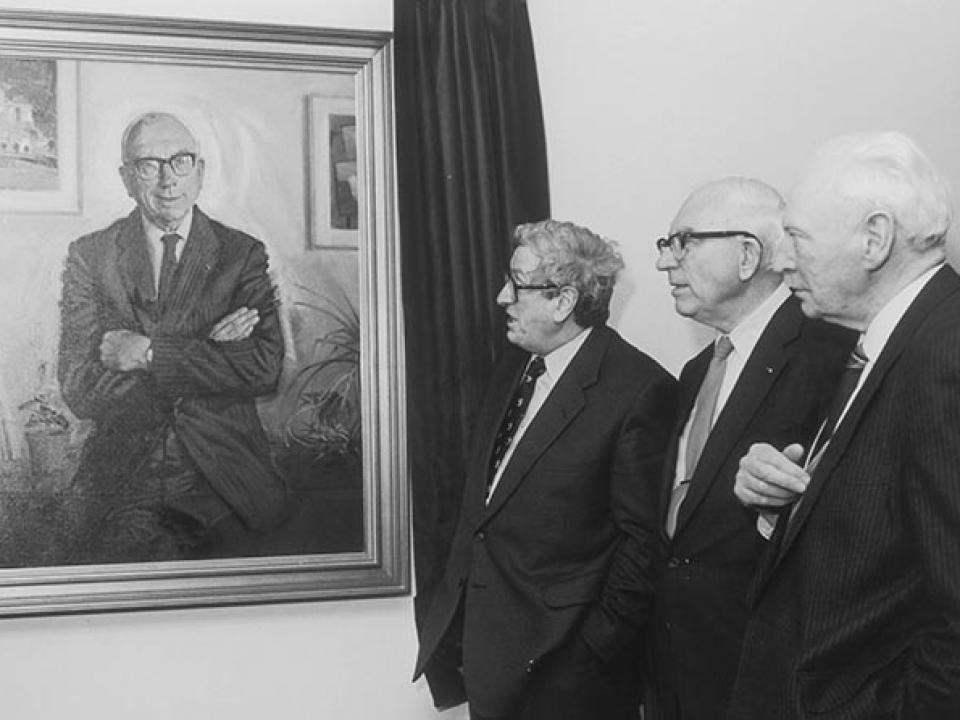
471 165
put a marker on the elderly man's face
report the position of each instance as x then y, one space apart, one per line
821 256
533 322
705 282
167 198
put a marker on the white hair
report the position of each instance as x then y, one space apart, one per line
888 171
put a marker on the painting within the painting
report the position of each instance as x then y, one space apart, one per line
28 124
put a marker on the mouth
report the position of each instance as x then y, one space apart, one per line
677 289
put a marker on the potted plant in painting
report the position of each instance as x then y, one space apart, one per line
47 430
322 402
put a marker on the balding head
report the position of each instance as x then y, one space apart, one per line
718 281
162 168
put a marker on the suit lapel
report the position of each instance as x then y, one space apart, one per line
136 271
564 403
942 285
759 374
499 393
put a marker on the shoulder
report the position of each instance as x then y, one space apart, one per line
230 237
100 240
622 358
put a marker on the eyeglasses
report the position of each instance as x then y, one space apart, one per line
512 286
148 168
677 243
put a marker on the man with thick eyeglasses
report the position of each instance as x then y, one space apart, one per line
762 379
550 576
168 334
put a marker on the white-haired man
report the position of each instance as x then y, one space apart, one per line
856 611
764 379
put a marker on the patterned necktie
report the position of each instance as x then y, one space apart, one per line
700 425
514 415
168 267
848 383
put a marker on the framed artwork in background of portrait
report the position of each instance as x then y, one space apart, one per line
303 184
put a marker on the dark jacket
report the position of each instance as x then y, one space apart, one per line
204 389
701 607
568 541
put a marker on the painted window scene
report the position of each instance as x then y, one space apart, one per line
28 124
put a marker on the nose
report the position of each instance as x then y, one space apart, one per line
665 260
784 258
506 296
166 175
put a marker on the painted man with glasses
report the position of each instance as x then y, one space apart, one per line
550 576
762 380
168 334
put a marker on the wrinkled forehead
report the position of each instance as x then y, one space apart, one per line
161 137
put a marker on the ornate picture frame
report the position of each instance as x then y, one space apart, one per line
241 90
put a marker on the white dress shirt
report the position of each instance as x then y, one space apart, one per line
556 363
744 338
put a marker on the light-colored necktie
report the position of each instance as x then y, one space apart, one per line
700 425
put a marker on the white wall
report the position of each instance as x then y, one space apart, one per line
644 100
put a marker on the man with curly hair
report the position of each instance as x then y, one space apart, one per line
550 575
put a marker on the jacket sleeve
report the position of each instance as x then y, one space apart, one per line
626 597
90 390
197 366
931 494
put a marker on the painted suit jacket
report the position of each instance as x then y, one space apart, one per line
203 389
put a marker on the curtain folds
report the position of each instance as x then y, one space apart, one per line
471 161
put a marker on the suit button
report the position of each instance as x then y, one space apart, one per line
673 562
530 665
480 537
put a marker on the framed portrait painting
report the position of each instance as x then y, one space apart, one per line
201 394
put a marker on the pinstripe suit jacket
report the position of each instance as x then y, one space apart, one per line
857 609
205 390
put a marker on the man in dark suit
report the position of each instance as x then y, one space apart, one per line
168 335
777 366
856 611
550 575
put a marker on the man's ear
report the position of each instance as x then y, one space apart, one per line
879 232
126 176
751 256
567 297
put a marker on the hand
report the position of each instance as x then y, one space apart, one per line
124 350
238 325
770 479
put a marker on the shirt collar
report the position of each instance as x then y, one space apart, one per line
556 361
746 334
154 233
884 322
